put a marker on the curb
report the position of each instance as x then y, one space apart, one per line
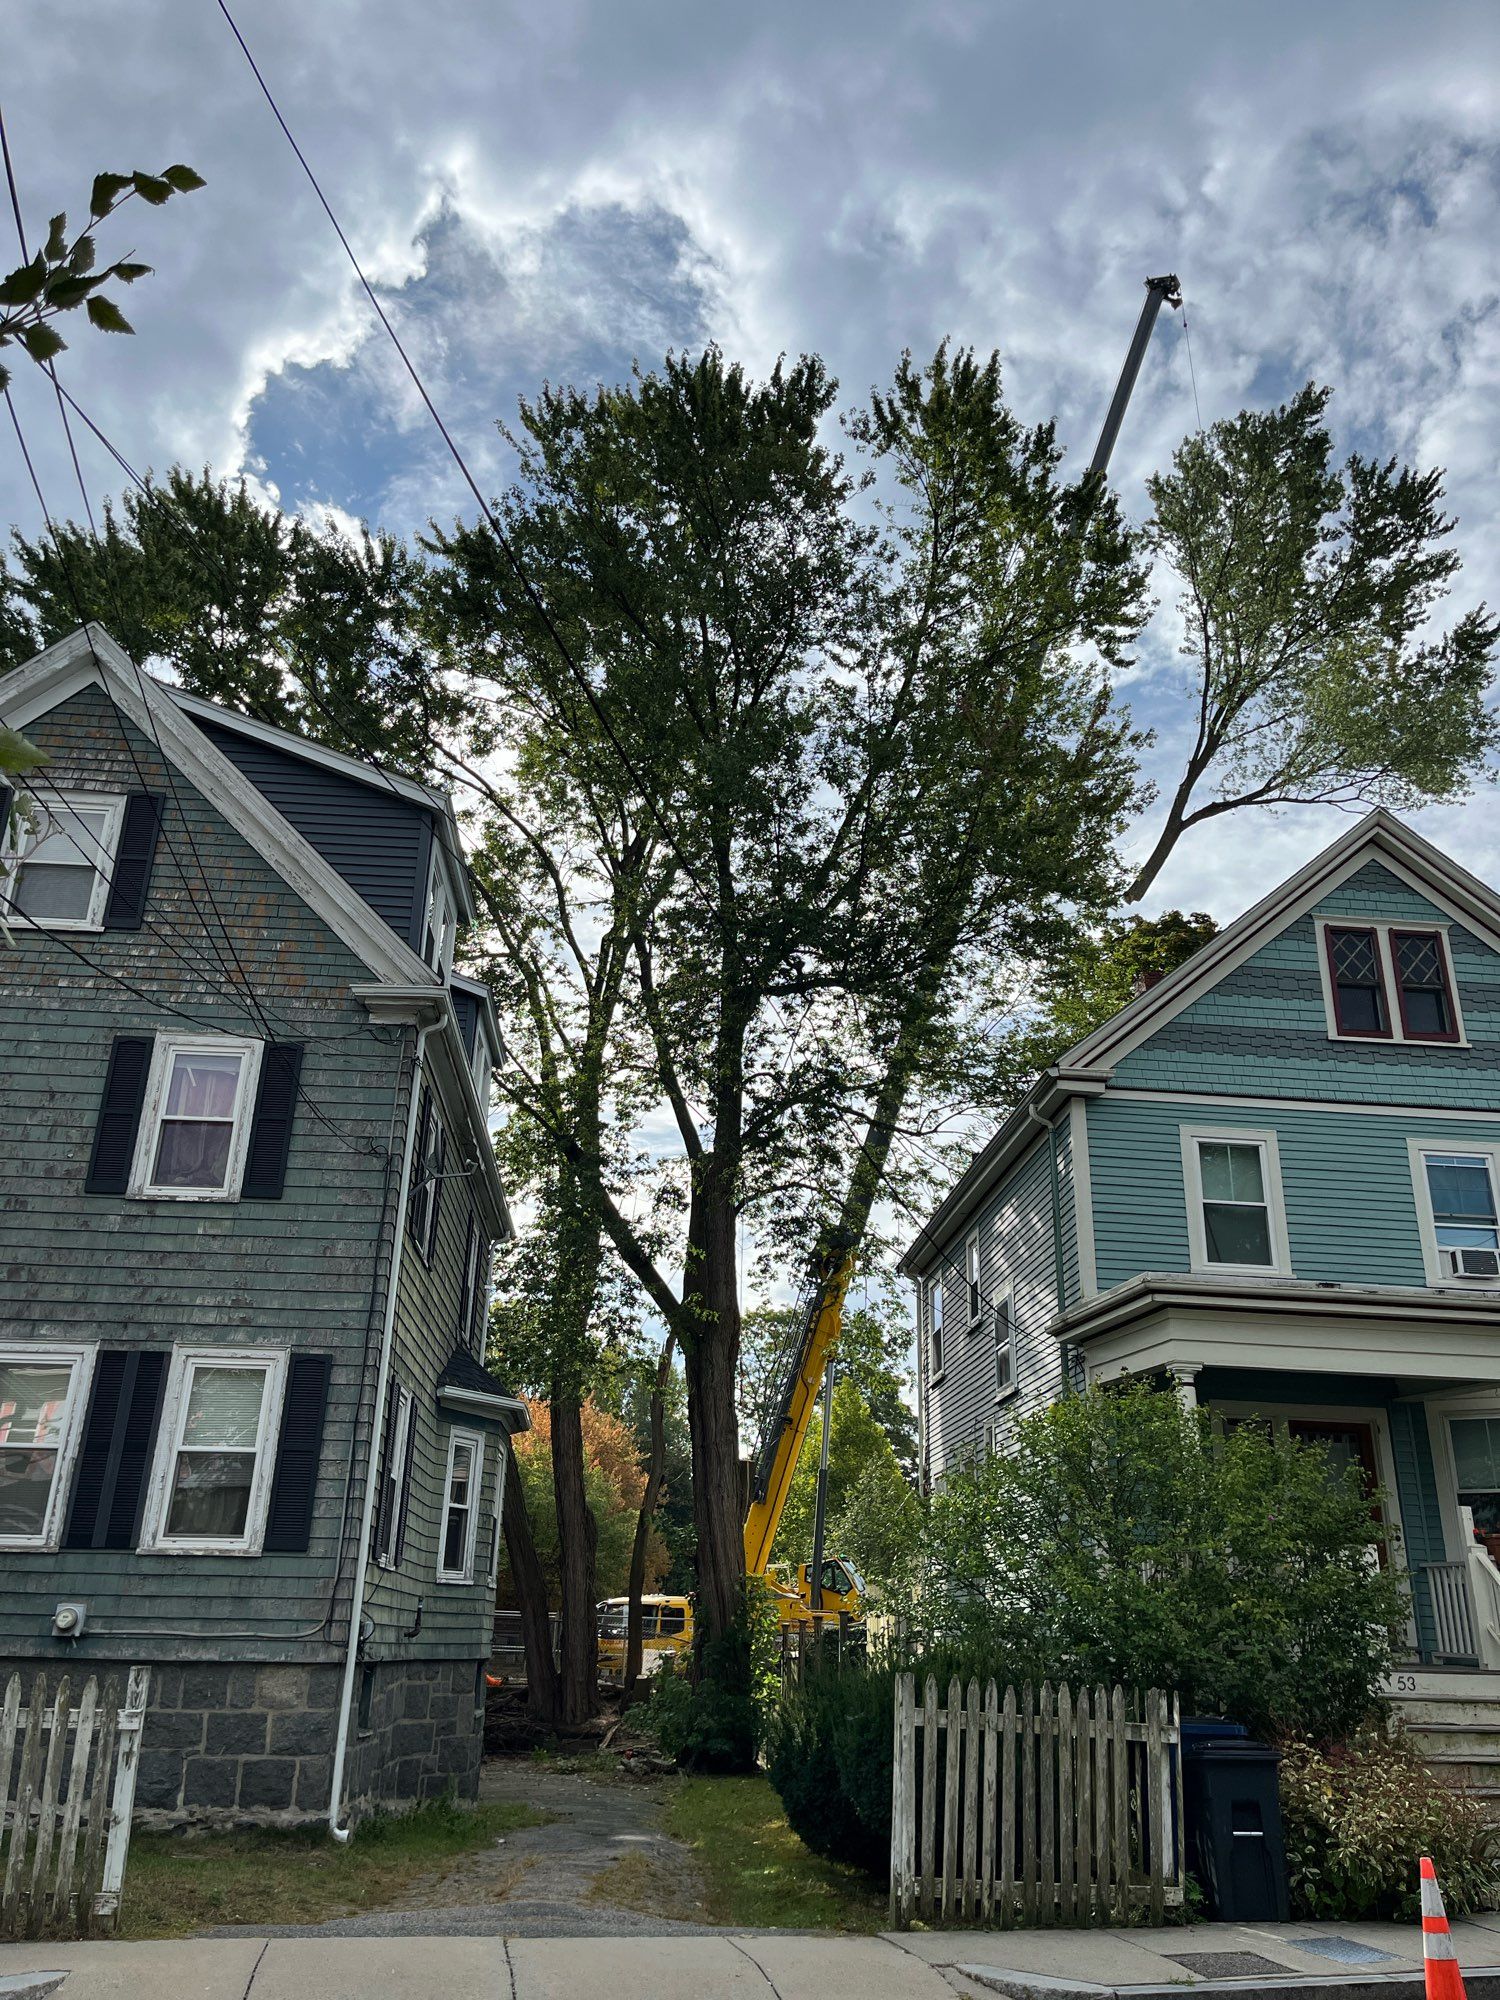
29 1985
1482 1983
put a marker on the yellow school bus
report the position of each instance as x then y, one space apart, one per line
666 1633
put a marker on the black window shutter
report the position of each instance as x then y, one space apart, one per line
467 1283
289 1523
119 1115
133 858
411 1452
119 1436
418 1162
271 1132
478 1331
439 1162
385 1527
7 793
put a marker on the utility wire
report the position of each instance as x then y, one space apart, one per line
1192 372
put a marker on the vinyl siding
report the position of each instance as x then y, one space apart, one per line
379 842
1016 1237
1263 1030
456 1618
307 1271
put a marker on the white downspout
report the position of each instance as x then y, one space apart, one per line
342 1834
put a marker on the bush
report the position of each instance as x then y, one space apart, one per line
710 1716
1124 1539
1359 1816
829 1756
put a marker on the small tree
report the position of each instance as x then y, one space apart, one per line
1308 594
1129 1539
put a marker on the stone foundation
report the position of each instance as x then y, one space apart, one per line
234 1744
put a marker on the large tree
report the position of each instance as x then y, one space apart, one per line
865 756
1309 594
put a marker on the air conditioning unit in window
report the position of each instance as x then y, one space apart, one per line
1471 1263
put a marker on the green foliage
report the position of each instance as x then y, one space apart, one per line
710 1716
61 276
1098 973
873 1515
1125 1539
829 1755
301 625
1358 1816
1310 594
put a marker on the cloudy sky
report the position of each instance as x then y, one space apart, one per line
551 190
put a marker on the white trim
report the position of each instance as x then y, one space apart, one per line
168 1047
1083 1196
102 860
185 1362
973 1282
1264 1139
78 1358
70 666
510 1409
1397 1035
456 1440
1416 1147
1210 1101
503 1454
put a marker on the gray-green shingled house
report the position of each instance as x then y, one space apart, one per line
247 1208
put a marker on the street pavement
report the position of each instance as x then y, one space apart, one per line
1324 1960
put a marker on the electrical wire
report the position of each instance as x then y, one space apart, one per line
1192 372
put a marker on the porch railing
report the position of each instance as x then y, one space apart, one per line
1456 1636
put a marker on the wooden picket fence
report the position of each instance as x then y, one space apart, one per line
67 1790
1057 1808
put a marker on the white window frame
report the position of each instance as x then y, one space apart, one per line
973 1282
13 856
185 1362
393 1477
442 920
932 1294
1417 1150
1270 1173
456 1439
1006 1302
168 1047
1397 1037
80 1361
502 1452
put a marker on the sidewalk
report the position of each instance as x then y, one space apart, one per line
1323 1960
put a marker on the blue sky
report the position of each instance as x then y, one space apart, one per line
552 192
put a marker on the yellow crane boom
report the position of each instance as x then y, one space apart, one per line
782 1446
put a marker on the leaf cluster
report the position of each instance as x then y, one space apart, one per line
62 276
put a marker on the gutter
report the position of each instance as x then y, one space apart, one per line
1304 1298
367 1518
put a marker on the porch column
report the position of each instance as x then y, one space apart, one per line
1184 1379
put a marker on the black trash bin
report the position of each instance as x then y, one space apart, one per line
1233 1808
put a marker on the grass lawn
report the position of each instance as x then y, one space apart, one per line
176 1884
756 1872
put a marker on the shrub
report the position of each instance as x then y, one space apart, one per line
1359 1816
710 1715
829 1756
1124 1539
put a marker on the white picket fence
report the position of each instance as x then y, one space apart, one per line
1035 1809
67 1790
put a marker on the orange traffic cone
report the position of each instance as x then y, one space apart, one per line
1444 1980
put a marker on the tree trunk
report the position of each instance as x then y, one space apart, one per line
650 1498
543 1687
711 1361
578 1541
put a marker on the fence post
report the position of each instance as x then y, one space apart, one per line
47 1805
1156 1705
929 1794
20 1826
954 1718
991 1801
1083 1873
972 1740
903 1801
78 1783
1121 1804
1067 1825
132 1720
1008 1810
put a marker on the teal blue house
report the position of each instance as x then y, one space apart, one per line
1273 1179
248 1201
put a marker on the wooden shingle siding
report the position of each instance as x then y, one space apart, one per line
380 843
1017 1239
1263 1030
306 1271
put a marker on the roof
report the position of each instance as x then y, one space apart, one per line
464 1385
1086 1068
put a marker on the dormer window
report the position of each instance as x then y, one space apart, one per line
1389 983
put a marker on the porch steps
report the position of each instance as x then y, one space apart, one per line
1452 1716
